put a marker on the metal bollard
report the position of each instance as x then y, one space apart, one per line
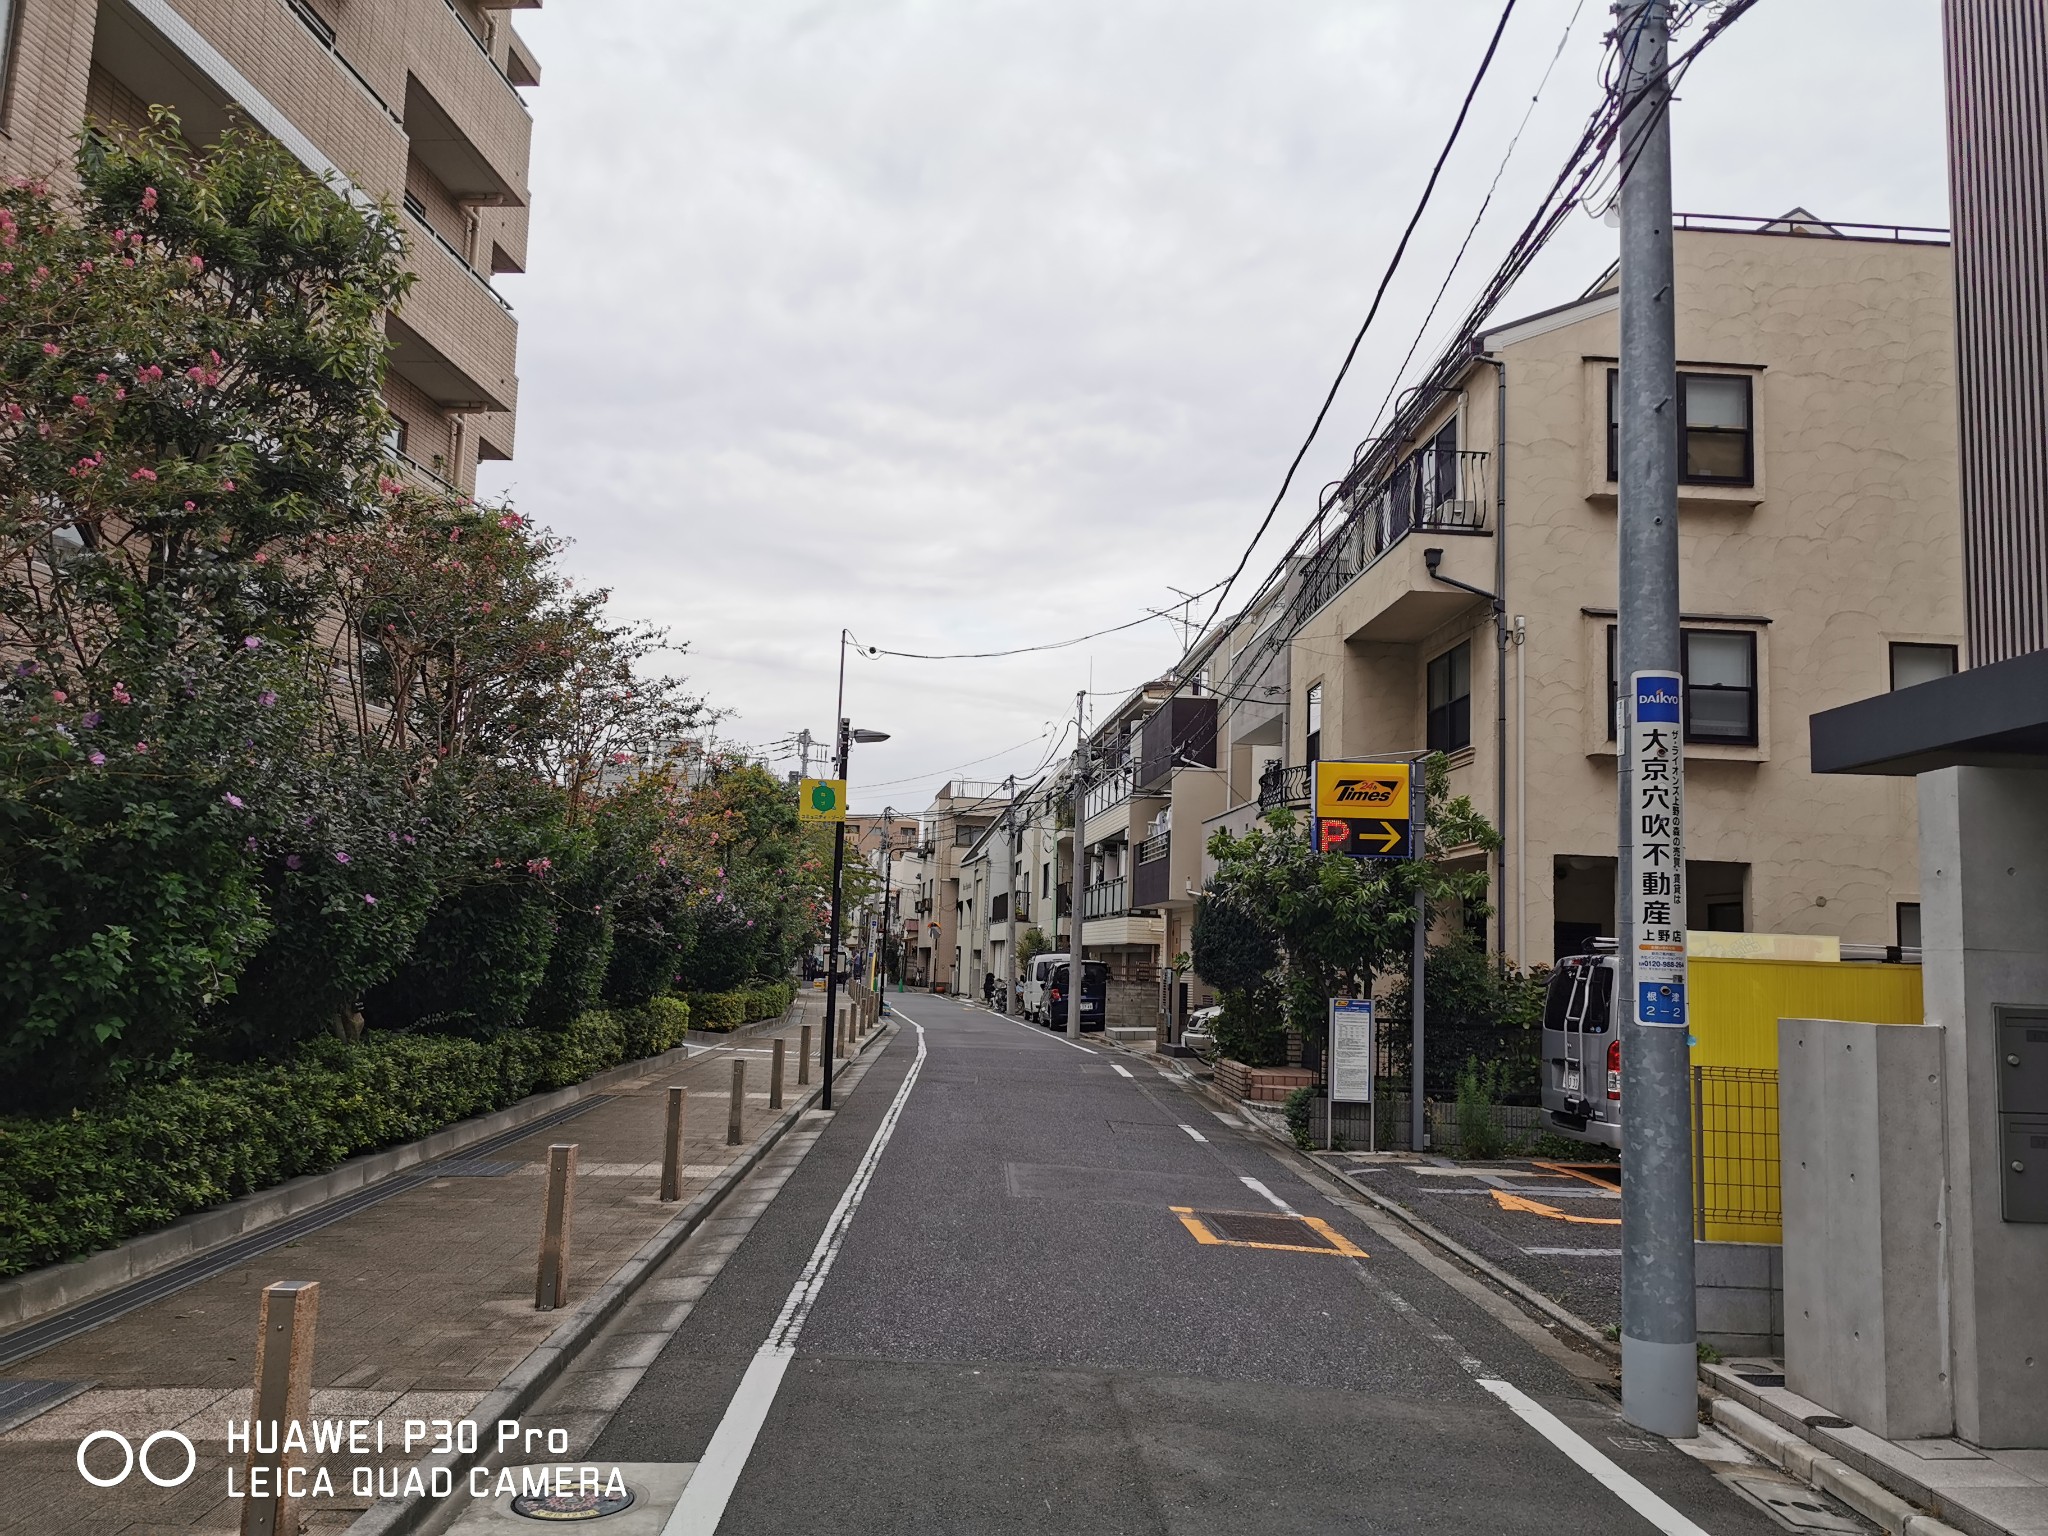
803 1058
672 1146
775 1078
284 1391
839 1039
739 1102
551 1286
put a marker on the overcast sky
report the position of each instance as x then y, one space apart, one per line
981 323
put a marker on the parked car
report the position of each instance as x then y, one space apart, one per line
1581 1068
1036 975
1199 1033
1094 995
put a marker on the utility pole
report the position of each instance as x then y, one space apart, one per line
838 867
1659 1364
1010 849
1077 983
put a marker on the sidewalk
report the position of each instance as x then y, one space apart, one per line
426 1302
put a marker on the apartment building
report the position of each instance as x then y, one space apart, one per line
960 813
415 103
1820 563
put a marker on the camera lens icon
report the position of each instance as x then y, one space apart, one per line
131 1458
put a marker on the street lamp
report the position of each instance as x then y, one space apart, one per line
847 736
882 945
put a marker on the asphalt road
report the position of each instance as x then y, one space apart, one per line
1020 1332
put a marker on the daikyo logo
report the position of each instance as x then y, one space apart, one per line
1657 698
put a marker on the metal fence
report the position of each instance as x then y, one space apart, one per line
1735 1155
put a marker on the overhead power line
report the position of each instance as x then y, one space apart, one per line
1024 650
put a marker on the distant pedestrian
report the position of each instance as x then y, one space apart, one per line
988 989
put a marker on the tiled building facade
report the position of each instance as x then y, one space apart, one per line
412 102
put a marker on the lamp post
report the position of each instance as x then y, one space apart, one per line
847 736
882 945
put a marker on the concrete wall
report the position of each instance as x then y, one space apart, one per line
1860 1139
1984 917
1740 1295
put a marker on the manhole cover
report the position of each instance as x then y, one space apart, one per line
571 1506
1262 1229
1800 1508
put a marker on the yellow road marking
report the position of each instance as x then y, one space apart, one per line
1340 1245
1509 1201
1572 1172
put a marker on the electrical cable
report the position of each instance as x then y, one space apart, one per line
917 778
1386 279
1024 650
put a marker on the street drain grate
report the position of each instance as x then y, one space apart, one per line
1266 1229
469 1168
583 1505
21 1401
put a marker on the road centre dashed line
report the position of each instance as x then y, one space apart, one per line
1120 1071
1193 1132
1257 1188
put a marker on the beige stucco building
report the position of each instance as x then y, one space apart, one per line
412 102
1820 563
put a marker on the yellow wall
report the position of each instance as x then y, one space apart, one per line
1736 1005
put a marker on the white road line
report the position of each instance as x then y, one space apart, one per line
1193 1132
1023 1024
1257 1188
711 1486
1575 1253
1599 1467
1119 1071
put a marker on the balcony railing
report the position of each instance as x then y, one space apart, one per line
1430 492
1285 786
417 212
1155 848
1113 789
1108 899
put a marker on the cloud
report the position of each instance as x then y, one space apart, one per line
972 325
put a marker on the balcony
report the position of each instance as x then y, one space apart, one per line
1280 785
1431 492
999 907
1181 733
1152 873
463 118
1107 899
1111 790
454 338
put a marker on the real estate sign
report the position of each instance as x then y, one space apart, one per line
1656 876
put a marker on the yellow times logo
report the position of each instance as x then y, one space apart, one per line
1357 790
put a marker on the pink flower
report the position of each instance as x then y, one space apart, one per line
340 858
291 861
262 558
98 759
148 198
14 412
233 800
227 485
250 845
389 486
49 349
197 264
82 402
85 266
121 694
369 900
511 520
191 506
143 474
266 698
252 642
142 746
59 695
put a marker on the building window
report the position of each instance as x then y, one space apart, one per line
1314 714
1724 917
1450 700
10 11
1720 686
1912 664
1718 446
1909 925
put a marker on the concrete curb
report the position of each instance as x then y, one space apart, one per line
1830 1474
533 1375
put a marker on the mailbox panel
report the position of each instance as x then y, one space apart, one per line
2022 1062
2023 1174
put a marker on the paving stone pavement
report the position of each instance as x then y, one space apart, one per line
426 1304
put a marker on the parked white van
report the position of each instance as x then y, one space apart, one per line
1036 980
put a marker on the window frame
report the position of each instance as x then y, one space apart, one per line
1748 475
1892 649
1312 722
1447 740
1685 634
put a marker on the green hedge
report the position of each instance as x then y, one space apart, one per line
729 1010
75 1185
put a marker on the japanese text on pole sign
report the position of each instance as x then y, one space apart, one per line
1353 1047
1657 846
